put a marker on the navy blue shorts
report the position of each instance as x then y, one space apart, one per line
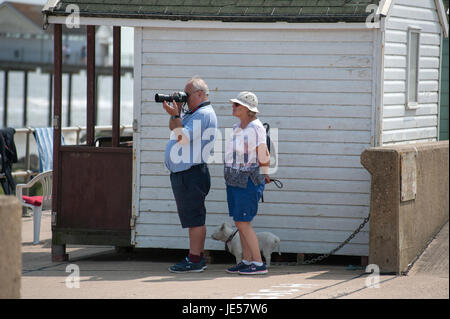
190 188
243 202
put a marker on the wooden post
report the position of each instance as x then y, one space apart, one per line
57 110
25 191
300 259
116 88
209 256
27 159
69 101
90 68
5 99
58 251
50 98
25 98
364 261
96 104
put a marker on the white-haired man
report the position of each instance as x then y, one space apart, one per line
189 176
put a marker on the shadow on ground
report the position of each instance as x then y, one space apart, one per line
151 265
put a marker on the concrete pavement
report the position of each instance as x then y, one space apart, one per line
103 273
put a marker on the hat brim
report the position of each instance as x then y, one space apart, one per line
250 108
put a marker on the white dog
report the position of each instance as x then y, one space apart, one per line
267 242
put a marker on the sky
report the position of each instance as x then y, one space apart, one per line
127 33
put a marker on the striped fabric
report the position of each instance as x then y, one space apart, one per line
44 141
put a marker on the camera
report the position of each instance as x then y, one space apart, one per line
177 96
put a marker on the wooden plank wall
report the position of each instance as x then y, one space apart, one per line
315 86
443 128
401 125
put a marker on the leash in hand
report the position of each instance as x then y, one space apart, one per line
277 183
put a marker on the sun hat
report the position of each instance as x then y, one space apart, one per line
247 99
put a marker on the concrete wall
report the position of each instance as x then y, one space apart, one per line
10 247
409 200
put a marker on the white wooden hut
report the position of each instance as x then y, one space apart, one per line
334 77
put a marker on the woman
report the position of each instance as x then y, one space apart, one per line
246 156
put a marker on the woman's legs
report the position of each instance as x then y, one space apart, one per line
246 253
249 242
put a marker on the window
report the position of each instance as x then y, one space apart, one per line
412 74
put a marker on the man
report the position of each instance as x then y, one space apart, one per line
189 175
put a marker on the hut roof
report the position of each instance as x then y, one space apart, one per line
222 10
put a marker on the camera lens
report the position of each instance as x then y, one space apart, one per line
163 97
177 97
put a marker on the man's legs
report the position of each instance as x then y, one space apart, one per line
194 262
197 236
190 189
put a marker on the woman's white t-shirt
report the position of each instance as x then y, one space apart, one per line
240 147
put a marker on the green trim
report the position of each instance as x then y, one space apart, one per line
443 125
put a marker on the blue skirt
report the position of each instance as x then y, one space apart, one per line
243 202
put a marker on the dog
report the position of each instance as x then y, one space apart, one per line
266 240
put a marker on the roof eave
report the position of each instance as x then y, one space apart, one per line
50 6
225 18
442 16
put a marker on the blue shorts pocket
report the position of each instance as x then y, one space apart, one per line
243 202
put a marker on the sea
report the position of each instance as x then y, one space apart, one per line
38 103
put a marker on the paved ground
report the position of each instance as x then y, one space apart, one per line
106 274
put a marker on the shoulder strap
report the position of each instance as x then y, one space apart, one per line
267 127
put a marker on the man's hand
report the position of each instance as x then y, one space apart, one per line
172 110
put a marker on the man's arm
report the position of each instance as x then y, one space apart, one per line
175 122
176 126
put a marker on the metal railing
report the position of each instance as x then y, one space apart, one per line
27 173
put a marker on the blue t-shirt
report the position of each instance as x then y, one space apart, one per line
200 128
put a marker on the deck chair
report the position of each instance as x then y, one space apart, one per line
37 203
44 141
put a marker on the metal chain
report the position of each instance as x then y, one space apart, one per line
345 242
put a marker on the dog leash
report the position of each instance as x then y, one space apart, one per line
230 238
277 183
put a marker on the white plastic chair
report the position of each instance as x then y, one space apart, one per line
37 203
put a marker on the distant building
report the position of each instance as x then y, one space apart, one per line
23 38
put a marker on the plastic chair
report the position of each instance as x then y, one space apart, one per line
37 203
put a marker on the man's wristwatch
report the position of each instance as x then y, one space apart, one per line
173 117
